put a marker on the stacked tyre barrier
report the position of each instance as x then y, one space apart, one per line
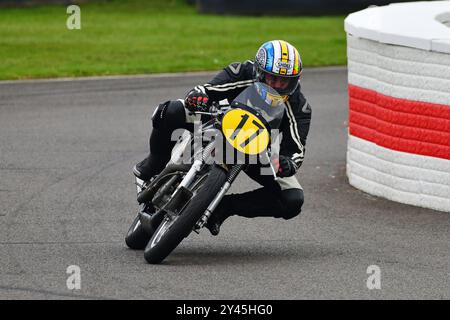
399 102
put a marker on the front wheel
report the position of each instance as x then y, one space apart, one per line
173 230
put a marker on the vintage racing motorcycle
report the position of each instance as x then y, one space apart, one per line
184 195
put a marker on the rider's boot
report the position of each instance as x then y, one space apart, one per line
217 218
160 148
262 202
144 171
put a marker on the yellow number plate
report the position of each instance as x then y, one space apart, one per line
245 132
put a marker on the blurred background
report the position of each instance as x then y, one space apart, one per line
153 36
247 7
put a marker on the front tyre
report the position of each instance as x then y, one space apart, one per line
171 232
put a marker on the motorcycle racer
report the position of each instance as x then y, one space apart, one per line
278 64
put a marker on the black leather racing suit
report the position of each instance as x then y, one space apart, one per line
278 198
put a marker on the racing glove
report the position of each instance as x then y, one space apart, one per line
286 166
196 100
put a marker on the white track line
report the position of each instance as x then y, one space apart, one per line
149 76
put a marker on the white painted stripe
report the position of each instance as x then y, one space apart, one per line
407 178
399 59
438 165
181 75
118 77
413 88
394 71
385 191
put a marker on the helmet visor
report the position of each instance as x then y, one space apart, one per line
282 84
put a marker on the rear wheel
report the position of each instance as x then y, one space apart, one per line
141 231
174 229
137 238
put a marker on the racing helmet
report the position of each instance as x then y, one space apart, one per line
278 64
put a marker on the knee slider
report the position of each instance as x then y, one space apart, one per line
293 201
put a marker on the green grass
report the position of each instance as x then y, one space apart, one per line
137 36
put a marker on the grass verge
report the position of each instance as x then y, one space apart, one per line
137 36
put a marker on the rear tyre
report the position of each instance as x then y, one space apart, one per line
137 238
171 232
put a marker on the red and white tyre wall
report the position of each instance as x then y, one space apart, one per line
399 102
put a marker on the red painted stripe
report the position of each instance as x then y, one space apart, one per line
398 124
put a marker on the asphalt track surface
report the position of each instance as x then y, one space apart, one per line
67 198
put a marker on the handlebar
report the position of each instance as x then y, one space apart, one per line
215 109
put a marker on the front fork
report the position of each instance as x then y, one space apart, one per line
233 173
